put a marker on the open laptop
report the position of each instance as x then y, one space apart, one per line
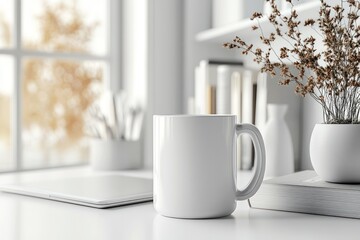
101 191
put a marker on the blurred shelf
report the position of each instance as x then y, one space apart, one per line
243 29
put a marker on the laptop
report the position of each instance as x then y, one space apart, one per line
99 191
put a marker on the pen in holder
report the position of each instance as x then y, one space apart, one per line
115 128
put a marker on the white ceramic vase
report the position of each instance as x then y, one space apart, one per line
335 152
278 143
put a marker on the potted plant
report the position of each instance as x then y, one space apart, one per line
331 76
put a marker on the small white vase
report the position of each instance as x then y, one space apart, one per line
278 143
335 152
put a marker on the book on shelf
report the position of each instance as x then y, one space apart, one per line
226 87
305 192
261 101
200 92
236 108
247 117
223 86
205 80
206 77
211 99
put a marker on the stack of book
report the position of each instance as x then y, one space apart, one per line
305 192
226 87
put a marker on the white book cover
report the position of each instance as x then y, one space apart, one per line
236 108
200 89
236 95
261 101
205 79
223 90
211 76
246 117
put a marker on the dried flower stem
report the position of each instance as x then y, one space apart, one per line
331 77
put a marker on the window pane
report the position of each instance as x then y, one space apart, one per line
6 23
56 95
65 25
6 93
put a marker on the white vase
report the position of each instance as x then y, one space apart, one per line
278 143
335 152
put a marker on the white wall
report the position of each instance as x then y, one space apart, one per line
133 64
197 17
165 85
135 49
116 25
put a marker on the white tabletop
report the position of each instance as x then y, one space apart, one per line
31 218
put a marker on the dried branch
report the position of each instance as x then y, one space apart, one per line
331 77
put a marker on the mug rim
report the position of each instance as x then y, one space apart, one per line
195 115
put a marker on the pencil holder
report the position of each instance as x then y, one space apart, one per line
108 155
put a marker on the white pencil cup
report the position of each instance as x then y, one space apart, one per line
108 155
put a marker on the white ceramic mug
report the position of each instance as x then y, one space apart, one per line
195 165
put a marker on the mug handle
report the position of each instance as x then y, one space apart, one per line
259 166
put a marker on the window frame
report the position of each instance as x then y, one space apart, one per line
112 60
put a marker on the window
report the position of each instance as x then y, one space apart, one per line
54 61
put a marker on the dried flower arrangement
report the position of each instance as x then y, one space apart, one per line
331 76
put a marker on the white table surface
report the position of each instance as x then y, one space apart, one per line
36 219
